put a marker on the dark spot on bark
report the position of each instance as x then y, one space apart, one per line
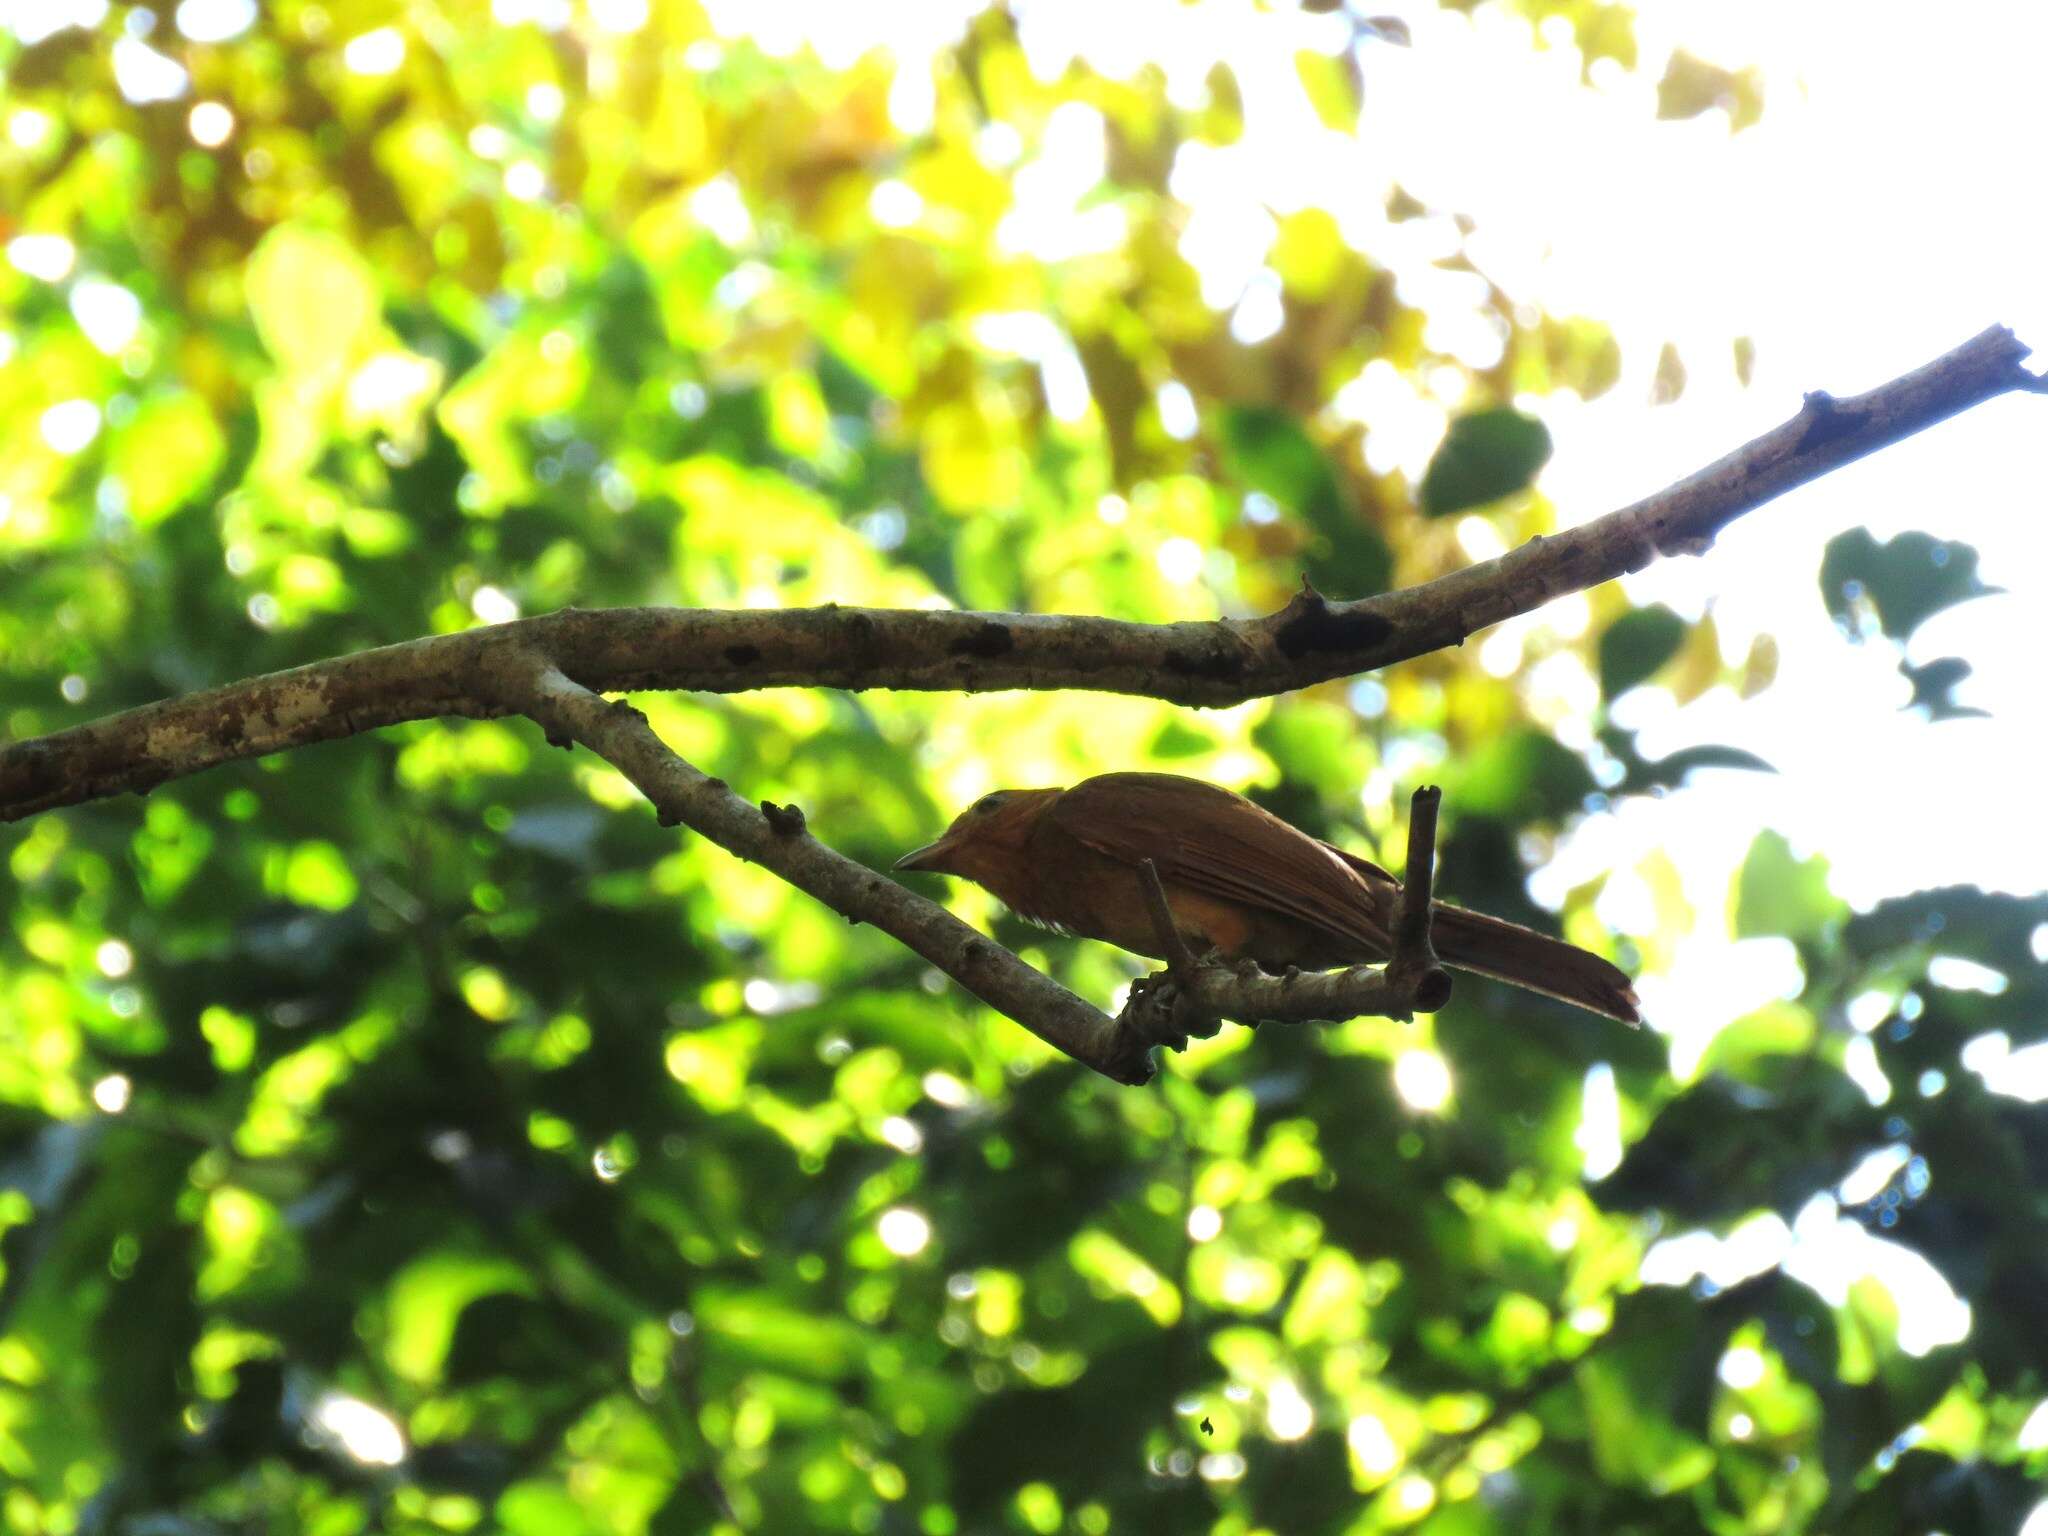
717 784
988 641
32 770
783 820
1432 989
663 816
1316 628
1217 662
975 951
1826 421
743 655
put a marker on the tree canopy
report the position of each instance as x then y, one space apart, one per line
408 1132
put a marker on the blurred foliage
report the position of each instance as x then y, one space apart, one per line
408 1134
1893 588
1898 585
1484 456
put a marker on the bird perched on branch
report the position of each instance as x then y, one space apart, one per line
1237 880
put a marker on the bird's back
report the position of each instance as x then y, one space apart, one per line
1254 885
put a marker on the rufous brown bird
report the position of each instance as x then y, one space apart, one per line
1237 879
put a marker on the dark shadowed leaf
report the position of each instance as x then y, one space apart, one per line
1640 776
1934 684
1723 1149
1902 581
1635 645
1482 458
1268 450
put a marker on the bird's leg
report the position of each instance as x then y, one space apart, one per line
1163 1007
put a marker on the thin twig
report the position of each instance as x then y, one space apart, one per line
1411 982
1221 662
1414 965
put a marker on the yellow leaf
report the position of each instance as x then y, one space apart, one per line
314 299
1697 667
1332 87
1309 252
971 461
1760 667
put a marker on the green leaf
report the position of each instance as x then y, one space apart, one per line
1316 745
1646 1390
1904 580
1268 451
1668 772
541 1508
1723 1148
1525 776
426 1301
1990 927
1777 893
750 1325
1484 457
166 454
1177 738
1934 684
1635 645
1773 1033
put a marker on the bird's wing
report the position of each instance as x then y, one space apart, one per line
1221 844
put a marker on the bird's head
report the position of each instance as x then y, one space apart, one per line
986 840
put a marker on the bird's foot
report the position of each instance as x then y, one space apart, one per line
1163 1012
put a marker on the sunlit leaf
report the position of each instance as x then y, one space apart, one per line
1525 776
1272 454
1777 893
166 454
314 300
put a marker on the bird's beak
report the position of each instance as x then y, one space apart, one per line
931 857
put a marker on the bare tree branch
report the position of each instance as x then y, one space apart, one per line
1225 661
555 668
775 837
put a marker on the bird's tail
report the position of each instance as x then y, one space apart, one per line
1522 957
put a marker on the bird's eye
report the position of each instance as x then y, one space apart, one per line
988 802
